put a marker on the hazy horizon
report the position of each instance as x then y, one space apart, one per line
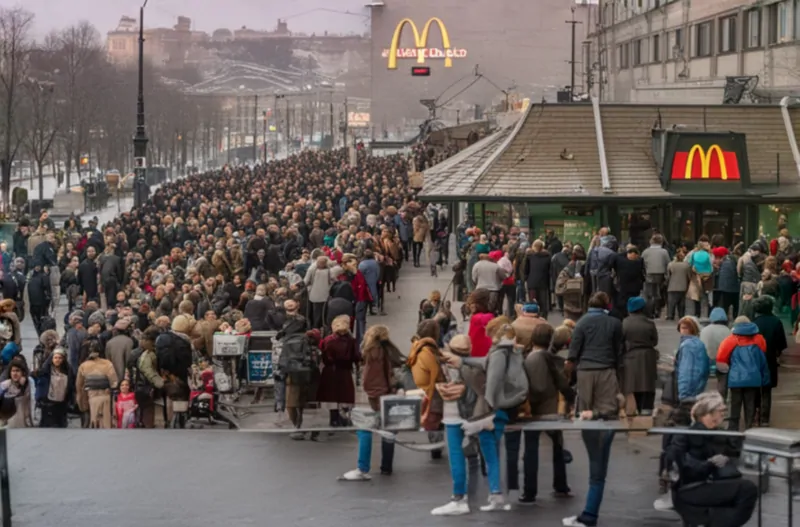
306 16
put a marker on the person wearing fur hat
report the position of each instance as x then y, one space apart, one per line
640 372
339 356
120 346
95 380
47 343
55 388
16 387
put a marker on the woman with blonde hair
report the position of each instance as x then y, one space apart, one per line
339 355
380 357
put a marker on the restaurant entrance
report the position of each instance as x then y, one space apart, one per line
690 222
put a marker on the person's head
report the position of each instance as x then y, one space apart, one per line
341 325
460 345
125 386
537 246
562 336
530 310
718 316
709 409
499 328
59 357
435 296
657 239
542 336
49 339
632 252
688 326
636 304
479 301
17 369
599 300
429 329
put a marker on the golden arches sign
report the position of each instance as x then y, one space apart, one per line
420 41
705 161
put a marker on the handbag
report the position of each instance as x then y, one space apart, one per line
728 471
432 412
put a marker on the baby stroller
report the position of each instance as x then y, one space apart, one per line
201 396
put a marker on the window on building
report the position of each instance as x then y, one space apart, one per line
118 44
777 17
624 55
702 39
637 52
656 47
752 31
677 44
727 34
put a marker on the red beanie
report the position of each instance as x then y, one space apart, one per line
495 255
719 252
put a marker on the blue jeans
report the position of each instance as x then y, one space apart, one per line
365 452
598 447
531 461
361 322
490 447
462 469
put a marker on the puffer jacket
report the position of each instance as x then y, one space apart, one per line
692 366
745 354
728 278
174 354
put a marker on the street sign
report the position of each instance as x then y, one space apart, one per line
420 71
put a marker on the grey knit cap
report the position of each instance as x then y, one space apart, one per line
98 317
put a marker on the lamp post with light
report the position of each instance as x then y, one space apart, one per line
141 192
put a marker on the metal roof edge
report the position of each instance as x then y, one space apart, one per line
465 153
504 146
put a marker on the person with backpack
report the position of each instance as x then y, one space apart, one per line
143 370
596 352
744 352
380 357
298 361
571 284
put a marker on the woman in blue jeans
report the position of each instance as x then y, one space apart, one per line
381 356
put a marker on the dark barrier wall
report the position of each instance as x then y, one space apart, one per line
513 41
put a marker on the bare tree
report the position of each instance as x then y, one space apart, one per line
40 102
15 25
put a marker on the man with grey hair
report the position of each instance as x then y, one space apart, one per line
656 259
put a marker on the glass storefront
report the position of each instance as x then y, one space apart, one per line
773 218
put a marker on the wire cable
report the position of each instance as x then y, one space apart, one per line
468 86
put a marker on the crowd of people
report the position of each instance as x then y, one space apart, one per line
287 246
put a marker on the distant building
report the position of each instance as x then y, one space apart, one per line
653 51
162 46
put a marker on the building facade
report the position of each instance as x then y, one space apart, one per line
663 51
519 48
681 170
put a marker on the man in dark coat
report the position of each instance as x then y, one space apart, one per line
39 296
44 255
537 276
87 276
559 261
112 274
771 328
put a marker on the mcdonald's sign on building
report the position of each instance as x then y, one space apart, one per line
695 160
422 50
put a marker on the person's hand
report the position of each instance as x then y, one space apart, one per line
587 415
569 367
452 359
719 460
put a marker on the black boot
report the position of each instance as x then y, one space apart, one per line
334 418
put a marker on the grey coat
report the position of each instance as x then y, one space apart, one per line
678 274
641 356
656 260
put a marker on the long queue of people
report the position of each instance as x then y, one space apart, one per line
286 246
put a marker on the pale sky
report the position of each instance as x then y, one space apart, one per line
307 16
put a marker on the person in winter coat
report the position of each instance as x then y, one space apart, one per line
148 381
39 296
656 260
479 304
258 309
300 389
380 358
574 301
95 380
749 267
55 388
727 286
640 373
318 281
120 346
712 336
557 264
421 234
678 274
487 274
87 276
537 276
600 261
112 274
47 343
371 271
771 328
692 365
174 356
17 387
339 356
630 272
744 352
526 323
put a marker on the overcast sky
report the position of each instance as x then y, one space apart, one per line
310 16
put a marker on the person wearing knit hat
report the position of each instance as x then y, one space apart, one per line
97 318
524 324
460 345
640 372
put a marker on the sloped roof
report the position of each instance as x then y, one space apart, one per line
453 176
255 78
553 152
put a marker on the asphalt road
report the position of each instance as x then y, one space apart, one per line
79 478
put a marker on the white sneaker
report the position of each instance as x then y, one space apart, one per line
453 508
497 502
664 503
572 521
356 475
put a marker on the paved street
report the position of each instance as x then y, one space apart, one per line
78 478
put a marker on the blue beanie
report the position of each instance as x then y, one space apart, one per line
636 304
532 308
718 316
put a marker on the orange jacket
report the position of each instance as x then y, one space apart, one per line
731 341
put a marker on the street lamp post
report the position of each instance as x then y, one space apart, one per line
141 191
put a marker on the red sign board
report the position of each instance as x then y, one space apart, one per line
706 163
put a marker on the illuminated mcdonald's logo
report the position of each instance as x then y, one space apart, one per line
698 164
421 42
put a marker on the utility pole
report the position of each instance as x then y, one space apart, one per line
141 191
228 145
255 129
265 137
572 23
333 144
346 123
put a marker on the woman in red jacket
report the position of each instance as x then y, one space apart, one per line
339 355
478 303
